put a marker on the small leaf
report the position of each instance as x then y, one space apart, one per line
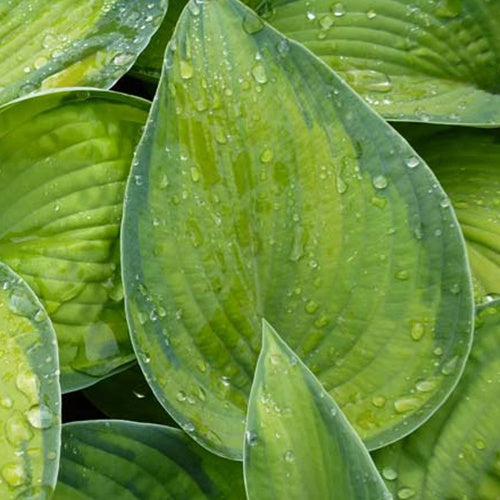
422 60
456 453
64 160
66 43
30 398
466 162
308 210
128 396
111 459
298 444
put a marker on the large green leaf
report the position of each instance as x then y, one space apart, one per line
64 43
456 453
467 163
413 60
64 160
298 444
114 459
30 399
128 396
308 210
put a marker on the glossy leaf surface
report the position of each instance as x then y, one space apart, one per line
298 444
67 43
64 160
108 459
456 453
30 399
416 60
308 210
466 162
128 396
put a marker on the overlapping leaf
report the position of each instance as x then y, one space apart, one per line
422 60
148 65
64 43
298 443
455 454
64 160
466 161
30 399
264 187
128 396
126 460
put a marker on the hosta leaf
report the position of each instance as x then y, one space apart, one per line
30 399
65 43
128 396
148 65
110 459
419 60
308 210
298 444
64 159
456 453
466 161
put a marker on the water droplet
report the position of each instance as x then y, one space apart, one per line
6 402
417 330
455 289
40 417
379 401
402 275
338 9
28 384
181 396
252 24
326 22
380 182
283 47
20 303
448 8
311 307
251 438
14 474
195 174
186 70
389 473
297 250
259 73
188 427
266 156
405 404
371 14
426 385
368 80
449 367
17 430
123 59
438 351
444 203
310 15
412 162
404 493
480 444
194 8
289 456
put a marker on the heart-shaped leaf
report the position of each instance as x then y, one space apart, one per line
65 43
64 160
30 399
466 161
128 396
298 444
118 459
413 61
308 210
456 453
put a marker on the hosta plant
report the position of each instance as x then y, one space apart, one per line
256 248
